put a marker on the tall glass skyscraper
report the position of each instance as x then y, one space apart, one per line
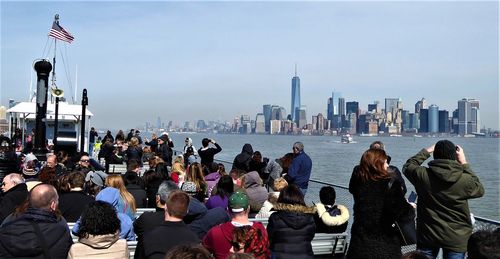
433 118
295 95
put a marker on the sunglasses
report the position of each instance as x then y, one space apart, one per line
85 161
3 184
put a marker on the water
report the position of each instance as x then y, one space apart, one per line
333 161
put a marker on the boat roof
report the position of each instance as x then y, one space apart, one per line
29 109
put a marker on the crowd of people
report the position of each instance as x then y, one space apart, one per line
203 211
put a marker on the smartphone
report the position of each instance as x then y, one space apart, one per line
412 197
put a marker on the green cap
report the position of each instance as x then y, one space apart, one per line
238 202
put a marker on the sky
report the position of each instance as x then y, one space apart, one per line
184 61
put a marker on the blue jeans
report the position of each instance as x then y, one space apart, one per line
447 254
91 149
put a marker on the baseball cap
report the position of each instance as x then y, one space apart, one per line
97 177
238 202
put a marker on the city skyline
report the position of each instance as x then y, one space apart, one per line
184 61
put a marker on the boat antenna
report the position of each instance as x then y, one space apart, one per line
56 20
295 69
31 85
76 83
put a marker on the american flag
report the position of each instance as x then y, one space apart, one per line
59 33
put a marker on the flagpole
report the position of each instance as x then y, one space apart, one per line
56 20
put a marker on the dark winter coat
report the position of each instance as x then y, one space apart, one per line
207 154
242 160
443 189
165 153
134 153
375 209
146 222
139 194
153 144
18 238
291 229
11 199
160 240
72 204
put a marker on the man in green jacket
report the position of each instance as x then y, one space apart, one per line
443 188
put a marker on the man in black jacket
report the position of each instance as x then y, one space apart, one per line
44 234
207 153
14 193
164 150
160 240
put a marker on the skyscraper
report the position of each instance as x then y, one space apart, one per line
424 120
444 124
329 108
341 106
260 123
433 118
295 95
266 109
468 116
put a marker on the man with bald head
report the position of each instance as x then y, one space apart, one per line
44 234
14 192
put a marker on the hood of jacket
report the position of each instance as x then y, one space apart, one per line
100 241
333 216
247 149
446 170
215 176
252 179
294 215
110 195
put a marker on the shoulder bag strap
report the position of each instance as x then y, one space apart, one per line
41 239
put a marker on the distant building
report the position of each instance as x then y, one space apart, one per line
329 108
433 120
320 123
295 95
372 127
353 108
424 120
444 122
422 104
301 120
468 116
266 109
275 127
341 107
260 124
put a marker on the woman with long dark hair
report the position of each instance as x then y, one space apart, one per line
377 203
224 189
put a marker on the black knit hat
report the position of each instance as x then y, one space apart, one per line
445 149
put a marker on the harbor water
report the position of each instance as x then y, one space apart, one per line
333 161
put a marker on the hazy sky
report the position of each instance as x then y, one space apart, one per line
185 61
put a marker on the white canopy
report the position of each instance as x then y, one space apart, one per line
66 111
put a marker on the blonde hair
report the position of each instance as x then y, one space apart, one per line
195 174
178 168
134 142
279 184
116 181
179 159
